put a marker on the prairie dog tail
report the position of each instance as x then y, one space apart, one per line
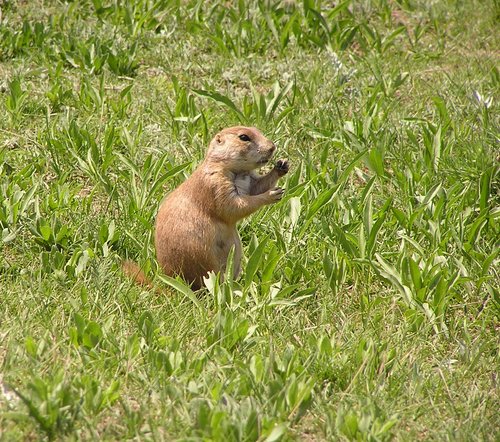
134 272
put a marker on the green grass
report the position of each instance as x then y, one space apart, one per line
368 308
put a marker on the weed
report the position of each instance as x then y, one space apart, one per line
368 304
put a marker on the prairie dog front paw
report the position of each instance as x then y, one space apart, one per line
282 167
276 194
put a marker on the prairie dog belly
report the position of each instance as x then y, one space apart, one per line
243 181
225 238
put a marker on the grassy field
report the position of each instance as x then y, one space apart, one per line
368 308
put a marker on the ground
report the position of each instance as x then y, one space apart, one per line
368 307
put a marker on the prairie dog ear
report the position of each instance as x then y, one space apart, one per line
218 139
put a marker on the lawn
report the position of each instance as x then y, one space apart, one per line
368 306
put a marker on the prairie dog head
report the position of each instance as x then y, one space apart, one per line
240 149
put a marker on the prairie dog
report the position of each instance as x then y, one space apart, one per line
196 224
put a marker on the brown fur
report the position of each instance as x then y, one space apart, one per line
134 272
196 224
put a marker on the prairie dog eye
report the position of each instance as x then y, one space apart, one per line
244 137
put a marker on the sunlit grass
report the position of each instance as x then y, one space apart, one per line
368 304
